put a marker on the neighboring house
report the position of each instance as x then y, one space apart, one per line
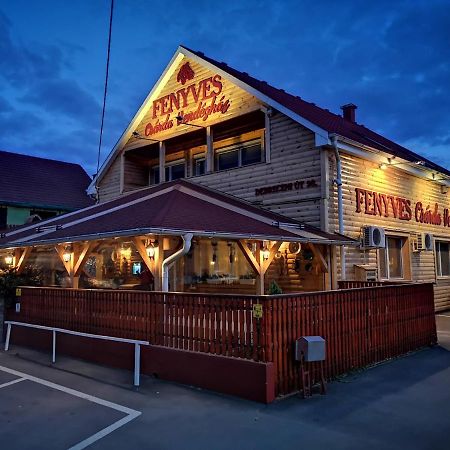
34 188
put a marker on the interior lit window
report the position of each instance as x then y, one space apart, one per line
239 155
391 258
442 259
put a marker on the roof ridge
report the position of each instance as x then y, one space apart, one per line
59 161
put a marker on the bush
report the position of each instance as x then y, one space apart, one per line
274 289
10 280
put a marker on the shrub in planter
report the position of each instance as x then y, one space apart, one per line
274 289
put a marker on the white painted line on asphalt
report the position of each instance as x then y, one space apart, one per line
9 383
130 413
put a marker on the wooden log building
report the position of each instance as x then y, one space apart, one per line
323 176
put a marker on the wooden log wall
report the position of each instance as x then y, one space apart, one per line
359 173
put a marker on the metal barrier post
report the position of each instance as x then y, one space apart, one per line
8 335
54 347
137 363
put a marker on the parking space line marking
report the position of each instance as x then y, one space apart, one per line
130 413
9 383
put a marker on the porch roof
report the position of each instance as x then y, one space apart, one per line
173 208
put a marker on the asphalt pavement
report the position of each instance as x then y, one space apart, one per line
400 404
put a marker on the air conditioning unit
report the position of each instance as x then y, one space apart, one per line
373 237
425 242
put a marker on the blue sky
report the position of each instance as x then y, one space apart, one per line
391 58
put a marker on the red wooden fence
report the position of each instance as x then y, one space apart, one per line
361 326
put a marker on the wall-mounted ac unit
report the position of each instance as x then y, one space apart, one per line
373 237
425 242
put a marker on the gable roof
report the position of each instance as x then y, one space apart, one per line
173 208
42 183
332 123
319 120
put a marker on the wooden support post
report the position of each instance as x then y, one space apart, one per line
321 261
257 262
209 160
153 265
162 162
21 258
80 253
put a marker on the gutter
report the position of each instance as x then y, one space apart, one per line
338 182
187 241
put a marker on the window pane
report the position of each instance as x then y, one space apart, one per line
177 171
200 167
395 257
228 160
154 175
444 257
383 268
251 154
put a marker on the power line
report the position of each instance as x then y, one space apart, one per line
104 98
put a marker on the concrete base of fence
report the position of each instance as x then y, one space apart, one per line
234 376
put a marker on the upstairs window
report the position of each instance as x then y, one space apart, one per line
175 171
239 155
199 166
442 259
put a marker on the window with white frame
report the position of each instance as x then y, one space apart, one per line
442 258
174 171
392 258
239 155
199 165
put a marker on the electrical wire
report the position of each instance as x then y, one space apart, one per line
104 99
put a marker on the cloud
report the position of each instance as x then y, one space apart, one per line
65 97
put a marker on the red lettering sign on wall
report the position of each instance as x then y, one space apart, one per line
385 205
198 100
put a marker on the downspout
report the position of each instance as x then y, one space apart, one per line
338 181
187 241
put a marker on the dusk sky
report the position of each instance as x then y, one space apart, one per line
391 58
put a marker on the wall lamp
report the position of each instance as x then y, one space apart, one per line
67 255
151 249
9 259
138 135
265 253
180 121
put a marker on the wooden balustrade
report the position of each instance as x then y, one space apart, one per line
360 326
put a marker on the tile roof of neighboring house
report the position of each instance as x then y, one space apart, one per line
170 208
44 183
333 123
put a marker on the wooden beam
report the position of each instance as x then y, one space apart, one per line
320 258
60 251
140 247
273 250
249 256
84 253
20 265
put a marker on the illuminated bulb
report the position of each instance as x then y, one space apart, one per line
150 249
9 259
383 166
67 255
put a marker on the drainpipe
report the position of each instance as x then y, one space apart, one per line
187 241
338 182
